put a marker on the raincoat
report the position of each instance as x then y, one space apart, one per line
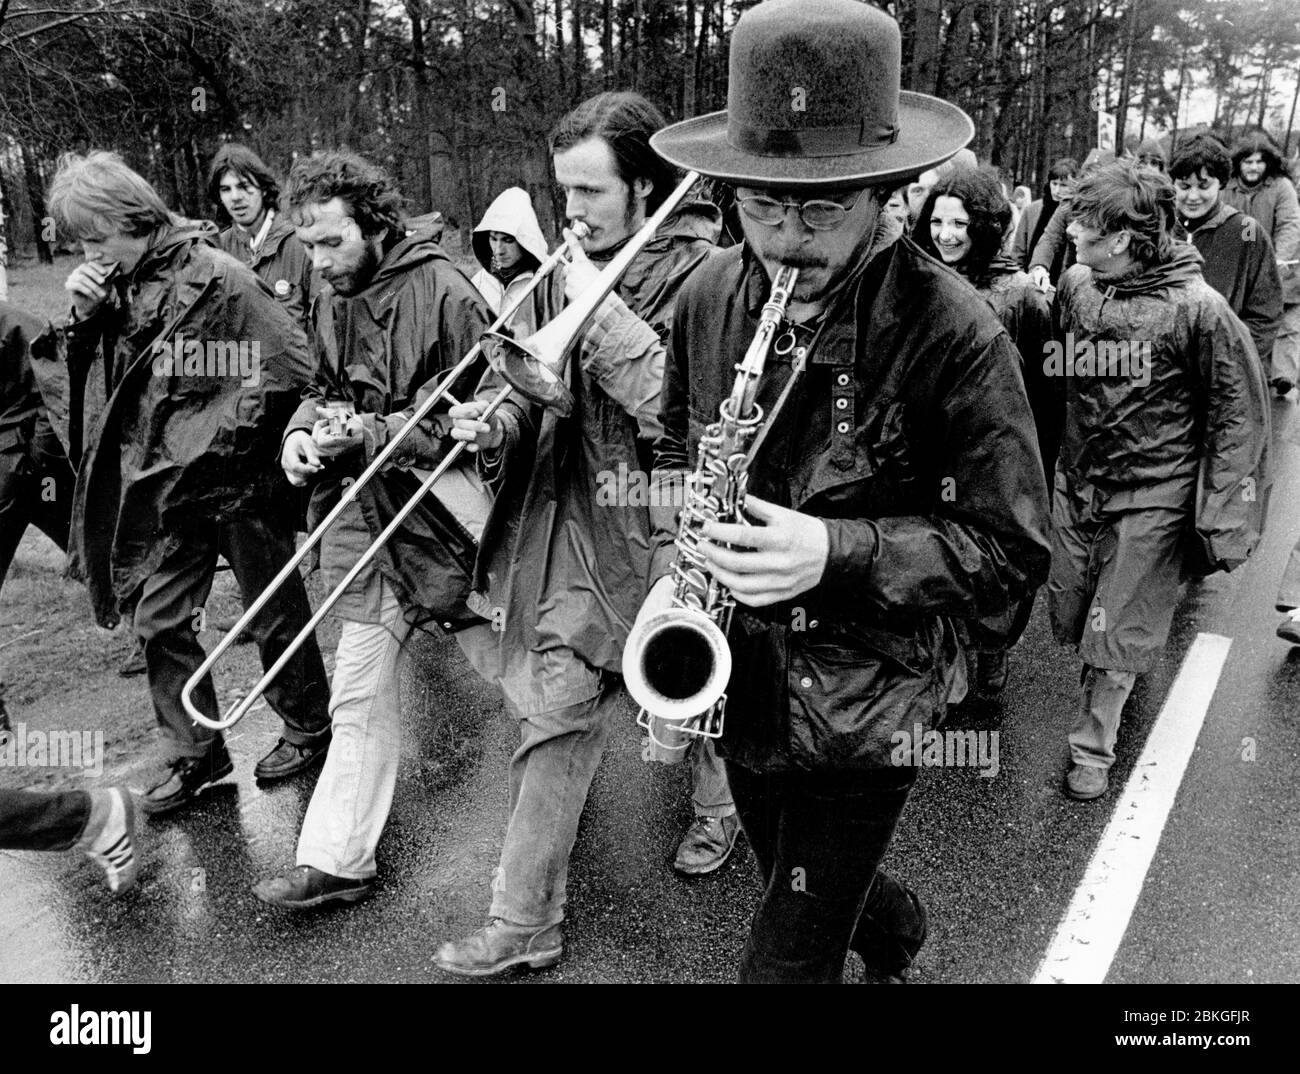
1240 265
280 262
511 214
200 367
911 438
567 547
1165 449
1274 204
414 321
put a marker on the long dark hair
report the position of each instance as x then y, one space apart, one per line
233 157
625 121
990 214
1063 168
1260 142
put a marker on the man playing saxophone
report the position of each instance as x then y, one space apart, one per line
896 487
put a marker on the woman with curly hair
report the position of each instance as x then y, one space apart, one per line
963 223
1261 187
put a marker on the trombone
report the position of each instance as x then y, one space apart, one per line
533 367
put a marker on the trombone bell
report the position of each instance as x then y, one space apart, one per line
527 372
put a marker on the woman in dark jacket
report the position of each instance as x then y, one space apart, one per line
1038 214
963 223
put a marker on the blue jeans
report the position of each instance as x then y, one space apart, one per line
819 838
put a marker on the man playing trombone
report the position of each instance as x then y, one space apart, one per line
560 575
396 314
895 488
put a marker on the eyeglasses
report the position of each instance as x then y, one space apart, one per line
819 214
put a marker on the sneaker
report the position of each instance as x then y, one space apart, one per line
500 946
1086 782
708 843
306 887
187 777
288 760
134 664
1282 386
107 840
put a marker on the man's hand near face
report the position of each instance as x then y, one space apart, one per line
88 285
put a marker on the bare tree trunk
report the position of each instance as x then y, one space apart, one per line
36 196
579 55
925 46
607 43
1263 86
559 50
1121 112
420 82
688 64
1290 123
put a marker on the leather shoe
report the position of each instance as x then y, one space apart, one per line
1289 630
306 887
501 945
186 778
1085 782
990 673
287 759
708 843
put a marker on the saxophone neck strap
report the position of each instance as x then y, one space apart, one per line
800 361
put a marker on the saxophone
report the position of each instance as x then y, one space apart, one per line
677 662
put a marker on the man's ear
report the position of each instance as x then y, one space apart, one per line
1122 241
642 187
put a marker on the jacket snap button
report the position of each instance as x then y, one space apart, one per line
842 379
842 427
840 404
806 682
812 624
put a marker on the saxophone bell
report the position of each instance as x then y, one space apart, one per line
676 662
676 665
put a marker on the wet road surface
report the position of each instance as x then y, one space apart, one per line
995 859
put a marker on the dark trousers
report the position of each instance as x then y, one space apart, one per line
818 838
36 486
40 820
166 620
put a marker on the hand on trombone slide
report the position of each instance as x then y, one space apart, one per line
466 426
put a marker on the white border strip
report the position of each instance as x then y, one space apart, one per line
1089 934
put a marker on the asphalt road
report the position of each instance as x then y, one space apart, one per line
995 859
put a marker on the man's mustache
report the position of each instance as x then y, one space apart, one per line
801 260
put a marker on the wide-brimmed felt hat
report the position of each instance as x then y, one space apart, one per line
813 100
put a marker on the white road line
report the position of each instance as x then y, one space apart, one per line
1089 934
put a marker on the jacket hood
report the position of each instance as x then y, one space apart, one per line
1183 266
512 214
168 240
417 248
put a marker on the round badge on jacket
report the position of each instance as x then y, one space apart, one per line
282 287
